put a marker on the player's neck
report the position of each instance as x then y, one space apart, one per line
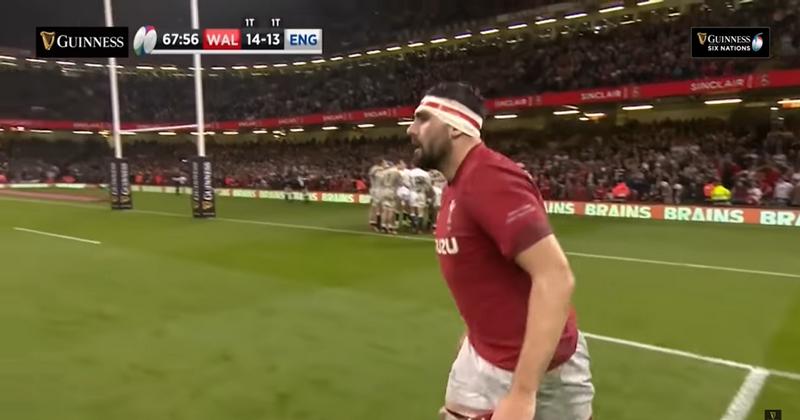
460 151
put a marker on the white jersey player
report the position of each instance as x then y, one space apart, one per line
438 182
375 194
404 190
420 190
404 193
391 182
405 174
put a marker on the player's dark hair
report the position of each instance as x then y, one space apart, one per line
461 92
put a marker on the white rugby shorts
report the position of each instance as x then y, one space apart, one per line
475 386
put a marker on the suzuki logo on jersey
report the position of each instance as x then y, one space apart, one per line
446 246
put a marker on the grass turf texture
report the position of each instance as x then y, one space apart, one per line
176 318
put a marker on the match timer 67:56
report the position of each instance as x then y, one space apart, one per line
261 39
177 40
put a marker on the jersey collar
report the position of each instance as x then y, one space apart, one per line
467 160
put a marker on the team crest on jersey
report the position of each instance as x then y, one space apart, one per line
450 214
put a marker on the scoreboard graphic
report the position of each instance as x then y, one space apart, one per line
149 40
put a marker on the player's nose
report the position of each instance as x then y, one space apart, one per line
412 132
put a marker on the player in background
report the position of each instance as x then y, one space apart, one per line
391 182
405 172
287 191
301 181
403 195
522 356
381 193
180 181
420 187
374 187
434 200
438 182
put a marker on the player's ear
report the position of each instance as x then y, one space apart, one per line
453 133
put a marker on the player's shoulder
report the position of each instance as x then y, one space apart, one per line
494 169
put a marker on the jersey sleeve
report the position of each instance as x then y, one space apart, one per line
506 205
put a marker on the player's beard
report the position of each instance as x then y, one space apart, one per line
434 154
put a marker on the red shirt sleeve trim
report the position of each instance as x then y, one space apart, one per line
527 237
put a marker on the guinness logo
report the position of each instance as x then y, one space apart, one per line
82 41
48 38
701 36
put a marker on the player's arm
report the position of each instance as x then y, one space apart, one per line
548 309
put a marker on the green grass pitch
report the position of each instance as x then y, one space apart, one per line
254 316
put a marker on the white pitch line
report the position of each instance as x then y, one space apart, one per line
324 229
708 359
428 239
55 235
294 226
689 265
673 352
743 401
786 375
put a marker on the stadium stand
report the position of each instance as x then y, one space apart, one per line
669 162
610 55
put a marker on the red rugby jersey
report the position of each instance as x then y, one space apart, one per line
491 211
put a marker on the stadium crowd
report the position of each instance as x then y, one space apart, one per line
512 63
667 162
348 25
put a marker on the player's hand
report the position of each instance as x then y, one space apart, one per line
516 406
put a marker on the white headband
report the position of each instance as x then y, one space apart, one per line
453 113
